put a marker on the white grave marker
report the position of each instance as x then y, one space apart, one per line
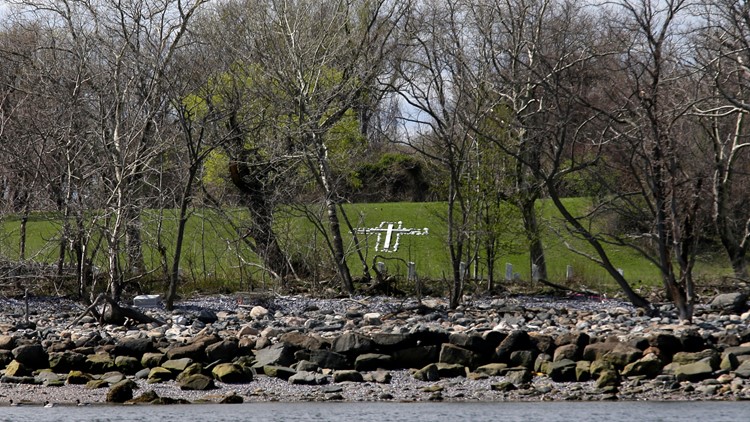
508 271
391 230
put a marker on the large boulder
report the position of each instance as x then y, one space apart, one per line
134 347
450 353
567 351
177 365
121 392
523 358
16 369
99 363
684 358
428 373
159 374
372 361
619 354
347 375
281 354
389 342
281 372
492 369
667 343
693 372
561 371
474 342
415 357
649 366
328 359
743 371
352 344
194 351
308 378
231 373
223 351
151 360
304 341
730 302
33 356
128 364
516 340
7 342
62 362
197 382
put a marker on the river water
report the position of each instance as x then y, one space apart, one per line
401 412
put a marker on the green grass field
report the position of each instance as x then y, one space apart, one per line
214 256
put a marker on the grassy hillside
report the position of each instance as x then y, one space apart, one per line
213 253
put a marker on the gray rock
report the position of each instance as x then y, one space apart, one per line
197 382
7 342
516 340
607 378
347 375
328 359
523 358
32 356
61 362
733 302
684 358
308 378
492 369
128 364
428 373
177 365
415 357
352 344
451 370
567 351
223 351
743 371
281 354
561 371
518 376
649 366
159 374
151 360
617 353
450 353
281 372
693 372
121 392
134 347
231 373
372 361
99 363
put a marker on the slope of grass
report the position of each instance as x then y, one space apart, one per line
213 252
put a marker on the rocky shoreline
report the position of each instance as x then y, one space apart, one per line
254 347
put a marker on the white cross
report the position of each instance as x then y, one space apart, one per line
390 229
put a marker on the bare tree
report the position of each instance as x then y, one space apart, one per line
722 54
314 61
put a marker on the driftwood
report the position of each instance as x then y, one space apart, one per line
114 313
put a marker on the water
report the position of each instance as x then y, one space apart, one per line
386 412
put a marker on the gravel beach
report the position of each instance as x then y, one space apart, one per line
518 348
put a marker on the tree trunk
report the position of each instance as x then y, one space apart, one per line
133 242
325 178
634 298
256 186
533 235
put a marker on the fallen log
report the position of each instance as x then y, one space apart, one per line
115 314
